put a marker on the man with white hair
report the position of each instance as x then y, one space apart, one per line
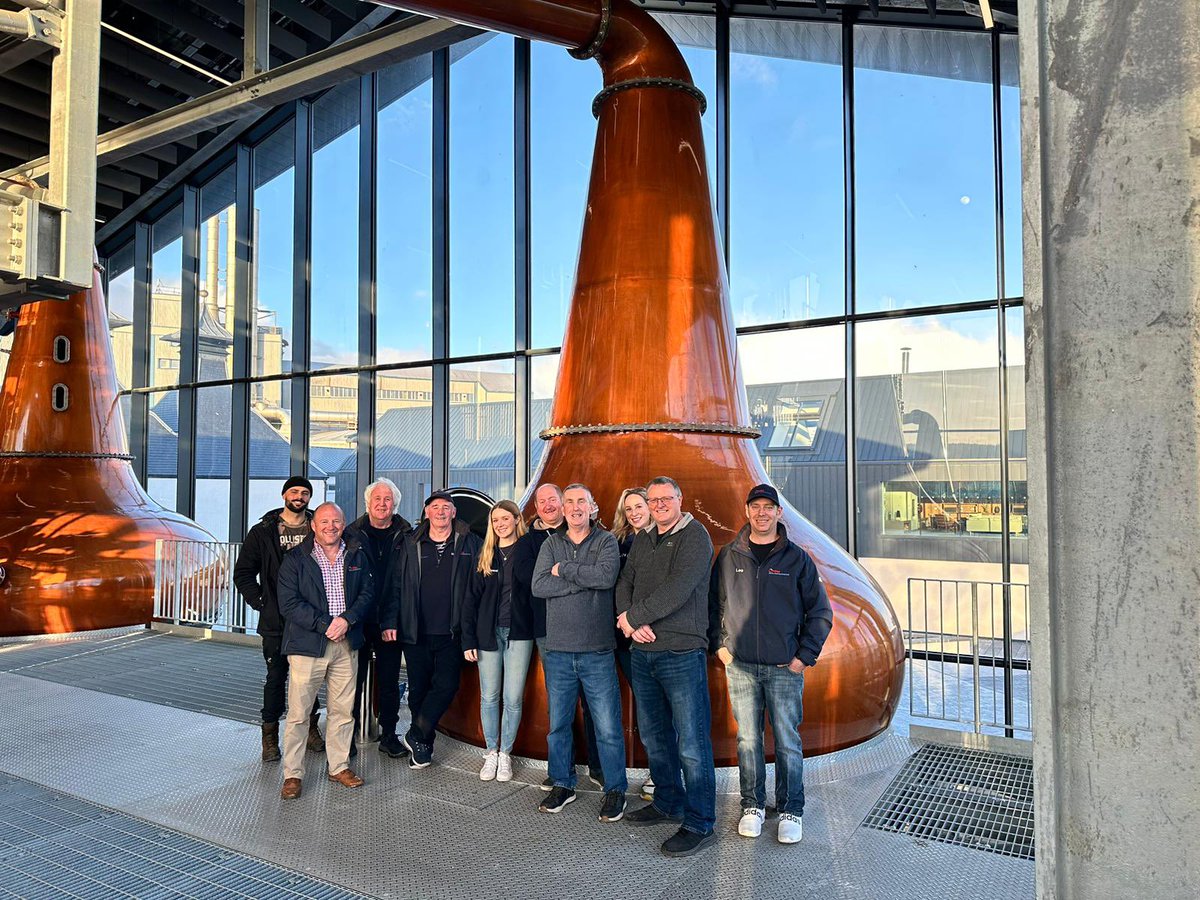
382 530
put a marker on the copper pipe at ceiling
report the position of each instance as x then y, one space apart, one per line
649 381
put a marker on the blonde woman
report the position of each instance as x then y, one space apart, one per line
497 633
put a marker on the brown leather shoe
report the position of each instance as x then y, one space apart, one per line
347 778
291 789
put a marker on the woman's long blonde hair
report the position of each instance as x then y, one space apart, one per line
490 542
621 527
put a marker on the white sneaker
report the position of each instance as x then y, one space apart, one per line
504 767
791 828
646 791
490 763
750 824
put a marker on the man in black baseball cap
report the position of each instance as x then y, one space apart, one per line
255 575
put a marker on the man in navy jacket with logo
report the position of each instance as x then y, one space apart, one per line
773 617
325 593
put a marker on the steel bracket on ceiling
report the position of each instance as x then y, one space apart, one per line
43 25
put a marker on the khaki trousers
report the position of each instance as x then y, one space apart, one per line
338 670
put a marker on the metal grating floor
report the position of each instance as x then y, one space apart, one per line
54 846
971 798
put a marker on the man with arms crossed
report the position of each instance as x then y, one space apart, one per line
774 618
662 601
575 574
325 593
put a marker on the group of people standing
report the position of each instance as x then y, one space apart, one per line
645 598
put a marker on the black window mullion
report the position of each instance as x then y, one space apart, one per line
139 403
301 255
440 371
523 262
243 334
189 320
367 301
850 299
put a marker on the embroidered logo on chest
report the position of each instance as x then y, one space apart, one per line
777 572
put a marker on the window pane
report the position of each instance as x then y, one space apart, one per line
404 435
334 335
214 339
332 438
481 196
1018 492
924 177
213 426
404 213
787 243
928 450
543 373
162 447
562 137
273 242
166 267
482 433
795 389
120 313
1010 136
270 447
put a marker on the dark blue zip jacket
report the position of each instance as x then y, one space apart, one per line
305 607
771 613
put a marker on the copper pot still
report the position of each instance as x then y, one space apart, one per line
77 531
651 286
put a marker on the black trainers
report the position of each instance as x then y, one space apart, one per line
391 745
559 797
649 815
547 784
686 843
421 753
613 808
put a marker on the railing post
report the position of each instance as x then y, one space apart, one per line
1006 605
975 652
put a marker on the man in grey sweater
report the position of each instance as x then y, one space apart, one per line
662 601
575 574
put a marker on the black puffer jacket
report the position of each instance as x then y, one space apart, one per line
256 572
771 613
305 606
483 605
402 611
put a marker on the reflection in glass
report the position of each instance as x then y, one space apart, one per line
482 431
162 447
562 137
273 239
404 212
214 406
786 255
1010 137
481 196
218 230
404 435
924 177
332 439
334 335
166 269
543 373
796 393
270 454
120 313
928 450
1018 492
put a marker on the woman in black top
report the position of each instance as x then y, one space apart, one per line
497 633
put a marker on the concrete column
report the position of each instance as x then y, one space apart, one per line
1111 132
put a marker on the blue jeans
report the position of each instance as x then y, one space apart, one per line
753 686
675 721
505 667
596 673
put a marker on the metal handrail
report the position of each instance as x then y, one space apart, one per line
193 585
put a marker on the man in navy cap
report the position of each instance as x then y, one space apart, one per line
256 575
773 618
432 572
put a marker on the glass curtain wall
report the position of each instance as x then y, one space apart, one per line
873 217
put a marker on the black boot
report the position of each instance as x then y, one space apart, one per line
316 743
270 741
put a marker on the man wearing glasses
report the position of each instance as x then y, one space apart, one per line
662 602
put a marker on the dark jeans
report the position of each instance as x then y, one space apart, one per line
676 722
753 688
434 662
387 679
595 673
275 685
589 729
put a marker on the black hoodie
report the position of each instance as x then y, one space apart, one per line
769 613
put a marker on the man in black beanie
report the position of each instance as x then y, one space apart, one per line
255 575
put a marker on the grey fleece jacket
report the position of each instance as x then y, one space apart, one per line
579 599
665 585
